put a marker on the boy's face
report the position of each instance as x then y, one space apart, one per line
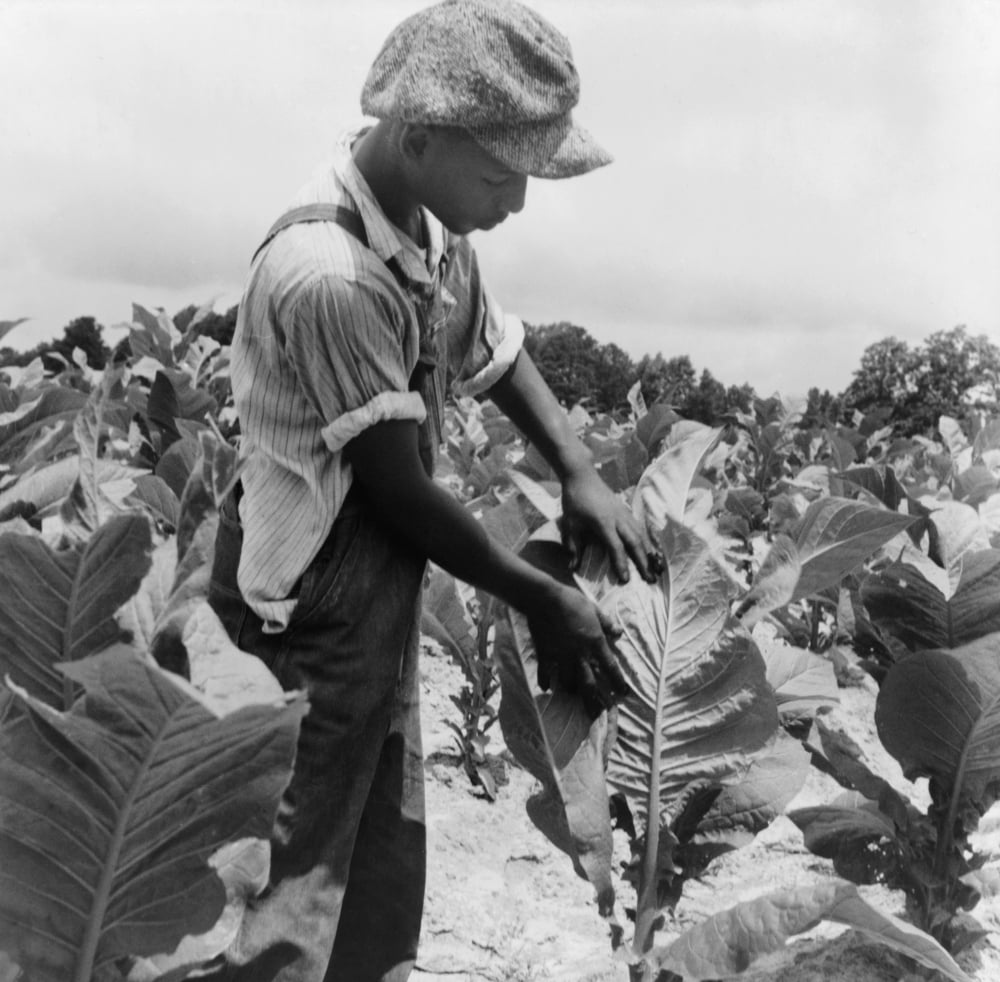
464 186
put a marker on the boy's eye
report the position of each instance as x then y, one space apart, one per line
495 182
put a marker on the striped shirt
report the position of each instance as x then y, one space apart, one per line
326 341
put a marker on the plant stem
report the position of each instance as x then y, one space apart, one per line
815 608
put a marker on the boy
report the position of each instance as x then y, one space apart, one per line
361 306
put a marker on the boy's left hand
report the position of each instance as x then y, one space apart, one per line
593 514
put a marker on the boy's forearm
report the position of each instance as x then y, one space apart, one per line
431 520
525 397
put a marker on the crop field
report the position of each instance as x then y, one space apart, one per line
799 785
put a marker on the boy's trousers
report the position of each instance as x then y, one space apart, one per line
348 849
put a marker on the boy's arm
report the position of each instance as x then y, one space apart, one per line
591 512
569 631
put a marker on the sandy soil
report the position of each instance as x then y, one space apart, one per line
503 905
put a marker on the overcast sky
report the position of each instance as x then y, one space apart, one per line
794 179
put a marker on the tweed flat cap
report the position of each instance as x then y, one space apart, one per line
494 68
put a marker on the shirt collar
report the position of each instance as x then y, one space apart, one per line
385 239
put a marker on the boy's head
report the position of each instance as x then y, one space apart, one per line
495 69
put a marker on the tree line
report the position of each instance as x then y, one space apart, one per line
951 373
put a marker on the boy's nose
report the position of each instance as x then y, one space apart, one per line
516 190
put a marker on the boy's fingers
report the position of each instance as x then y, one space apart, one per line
646 556
607 663
608 625
544 674
618 551
569 542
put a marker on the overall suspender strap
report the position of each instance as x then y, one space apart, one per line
425 378
349 221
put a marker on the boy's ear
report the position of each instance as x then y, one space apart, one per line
414 140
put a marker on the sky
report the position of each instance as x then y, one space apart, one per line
794 180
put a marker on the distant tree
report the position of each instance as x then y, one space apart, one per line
956 373
616 374
951 374
740 397
822 408
707 402
567 358
213 325
84 333
578 369
886 376
672 381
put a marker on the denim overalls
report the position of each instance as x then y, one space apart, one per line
346 889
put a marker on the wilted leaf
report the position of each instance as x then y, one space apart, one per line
59 605
727 943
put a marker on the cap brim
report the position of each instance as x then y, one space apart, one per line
552 150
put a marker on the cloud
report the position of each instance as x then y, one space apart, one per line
792 180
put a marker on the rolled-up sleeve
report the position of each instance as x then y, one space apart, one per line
353 348
483 340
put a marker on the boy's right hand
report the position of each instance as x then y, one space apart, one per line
573 644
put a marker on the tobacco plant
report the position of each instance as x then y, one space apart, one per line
135 802
694 761
934 610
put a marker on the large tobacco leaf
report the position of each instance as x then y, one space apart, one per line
938 714
59 604
91 500
749 805
552 737
804 683
836 535
902 602
47 486
698 686
726 944
112 812
53 408
699 705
